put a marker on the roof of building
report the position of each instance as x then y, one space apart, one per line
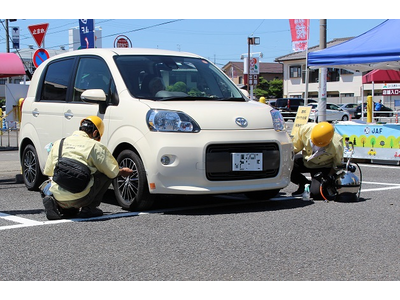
302 54
265 67
27 53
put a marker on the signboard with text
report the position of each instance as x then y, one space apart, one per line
303 113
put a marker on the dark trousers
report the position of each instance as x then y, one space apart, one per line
299 168
95 196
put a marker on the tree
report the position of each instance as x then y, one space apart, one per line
262 88
269 89
276 88
177 87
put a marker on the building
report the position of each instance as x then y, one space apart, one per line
343 86
26 56
268 71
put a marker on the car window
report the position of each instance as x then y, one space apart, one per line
159 77
55 83
92 73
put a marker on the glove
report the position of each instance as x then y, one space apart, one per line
352 168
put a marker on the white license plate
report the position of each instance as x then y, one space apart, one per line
247 161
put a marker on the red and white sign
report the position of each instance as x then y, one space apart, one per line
40 56
38 32
254 65
300 30
122 41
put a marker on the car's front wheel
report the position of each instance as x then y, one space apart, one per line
31 172
345 118
132 192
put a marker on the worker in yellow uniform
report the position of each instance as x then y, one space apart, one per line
318 148
83 146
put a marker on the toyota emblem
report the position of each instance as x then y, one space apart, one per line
242 122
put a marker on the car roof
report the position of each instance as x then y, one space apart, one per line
110 52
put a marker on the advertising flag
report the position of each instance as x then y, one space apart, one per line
300 29
86 29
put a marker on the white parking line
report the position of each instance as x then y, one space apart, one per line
24 222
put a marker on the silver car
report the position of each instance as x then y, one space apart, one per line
333 113
350 107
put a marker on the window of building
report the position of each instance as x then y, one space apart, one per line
295 71
345 72
313 76
347 94
332 75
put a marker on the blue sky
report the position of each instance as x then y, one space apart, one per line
220 40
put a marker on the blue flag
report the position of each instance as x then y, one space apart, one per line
86 29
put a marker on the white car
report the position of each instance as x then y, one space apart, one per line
333 113
197 133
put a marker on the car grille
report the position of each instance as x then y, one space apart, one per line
219 161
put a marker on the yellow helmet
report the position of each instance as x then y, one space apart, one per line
98 123
262 100
322 134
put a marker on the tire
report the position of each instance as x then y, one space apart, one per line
31 173
262 195
345 118
132 193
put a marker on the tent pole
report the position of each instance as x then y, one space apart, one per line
306 79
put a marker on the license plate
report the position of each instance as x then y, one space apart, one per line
247 161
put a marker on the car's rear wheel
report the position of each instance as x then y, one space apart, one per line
31 172
262 195
132 192
345 118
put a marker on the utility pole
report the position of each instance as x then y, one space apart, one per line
322 74
7 37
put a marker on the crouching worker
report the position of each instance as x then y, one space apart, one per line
78 190
318 148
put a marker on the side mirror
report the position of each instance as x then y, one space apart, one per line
95 96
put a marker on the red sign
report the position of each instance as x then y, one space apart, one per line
122 41
38 32
300 29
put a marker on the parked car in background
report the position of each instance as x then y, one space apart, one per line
272 103
333 113
350 107
288 106
384 112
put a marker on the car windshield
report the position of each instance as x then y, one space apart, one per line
165 78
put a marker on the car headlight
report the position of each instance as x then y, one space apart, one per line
171 121
277 120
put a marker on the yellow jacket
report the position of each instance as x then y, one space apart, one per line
332 155
86 150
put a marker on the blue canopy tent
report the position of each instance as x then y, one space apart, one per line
378 48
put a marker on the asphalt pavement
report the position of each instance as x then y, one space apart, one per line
209 239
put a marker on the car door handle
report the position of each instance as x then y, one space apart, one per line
35 112
68 115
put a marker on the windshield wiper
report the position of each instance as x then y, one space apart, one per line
196 98
186 98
